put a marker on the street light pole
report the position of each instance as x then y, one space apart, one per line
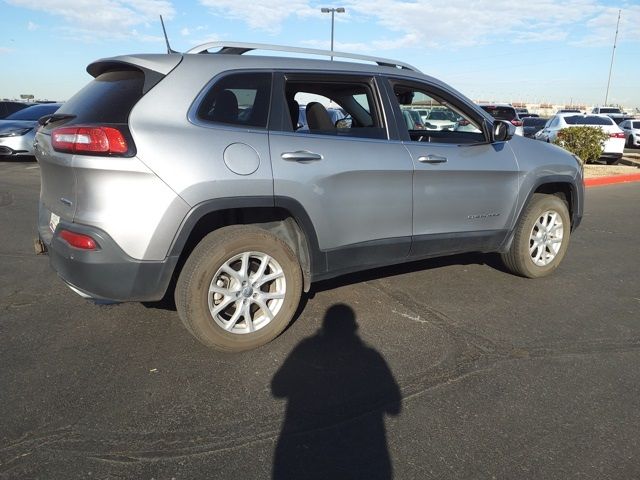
332 11
615 41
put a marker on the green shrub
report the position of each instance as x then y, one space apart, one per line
585 142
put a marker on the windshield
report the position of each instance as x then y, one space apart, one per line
34 113
434 115
534 122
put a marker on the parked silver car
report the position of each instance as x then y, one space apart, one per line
18 130
188 171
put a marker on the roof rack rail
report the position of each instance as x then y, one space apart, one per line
234 48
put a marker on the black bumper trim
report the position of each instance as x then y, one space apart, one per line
108 273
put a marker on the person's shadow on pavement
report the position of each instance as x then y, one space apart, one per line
338 391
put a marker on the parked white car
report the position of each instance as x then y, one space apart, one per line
615 113
613 148
440 120
631 129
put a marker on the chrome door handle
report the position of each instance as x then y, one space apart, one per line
432 159
301 156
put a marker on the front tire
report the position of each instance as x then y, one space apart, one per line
541 237
239 288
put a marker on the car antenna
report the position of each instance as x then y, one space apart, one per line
166 38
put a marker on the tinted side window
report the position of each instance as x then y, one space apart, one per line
238 99
109 98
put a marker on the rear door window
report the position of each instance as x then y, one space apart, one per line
333 105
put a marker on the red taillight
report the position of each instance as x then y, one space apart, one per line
88 140
617 135
516 123
78 240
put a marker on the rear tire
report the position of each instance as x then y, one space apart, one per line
541 237
239 288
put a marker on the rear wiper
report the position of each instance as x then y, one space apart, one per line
54 117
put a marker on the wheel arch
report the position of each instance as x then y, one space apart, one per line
565 187
284 217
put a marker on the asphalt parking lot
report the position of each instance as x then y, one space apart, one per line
448 368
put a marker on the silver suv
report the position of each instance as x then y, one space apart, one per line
187 175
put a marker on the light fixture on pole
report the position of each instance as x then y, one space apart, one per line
332 11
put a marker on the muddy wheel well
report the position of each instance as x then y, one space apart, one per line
278 221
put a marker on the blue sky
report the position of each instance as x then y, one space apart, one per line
554 51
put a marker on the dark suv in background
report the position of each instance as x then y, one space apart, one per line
505 112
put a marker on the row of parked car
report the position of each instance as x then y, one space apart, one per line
18 123
622 130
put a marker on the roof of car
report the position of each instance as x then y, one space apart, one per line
164 63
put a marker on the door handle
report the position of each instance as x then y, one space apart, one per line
432 159
301 156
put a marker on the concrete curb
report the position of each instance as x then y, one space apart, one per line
610 180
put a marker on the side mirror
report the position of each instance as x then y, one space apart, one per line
502 131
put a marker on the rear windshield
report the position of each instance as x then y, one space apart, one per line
501 113
34 112
587 120
610 110
109 98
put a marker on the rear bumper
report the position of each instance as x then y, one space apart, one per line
106 274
